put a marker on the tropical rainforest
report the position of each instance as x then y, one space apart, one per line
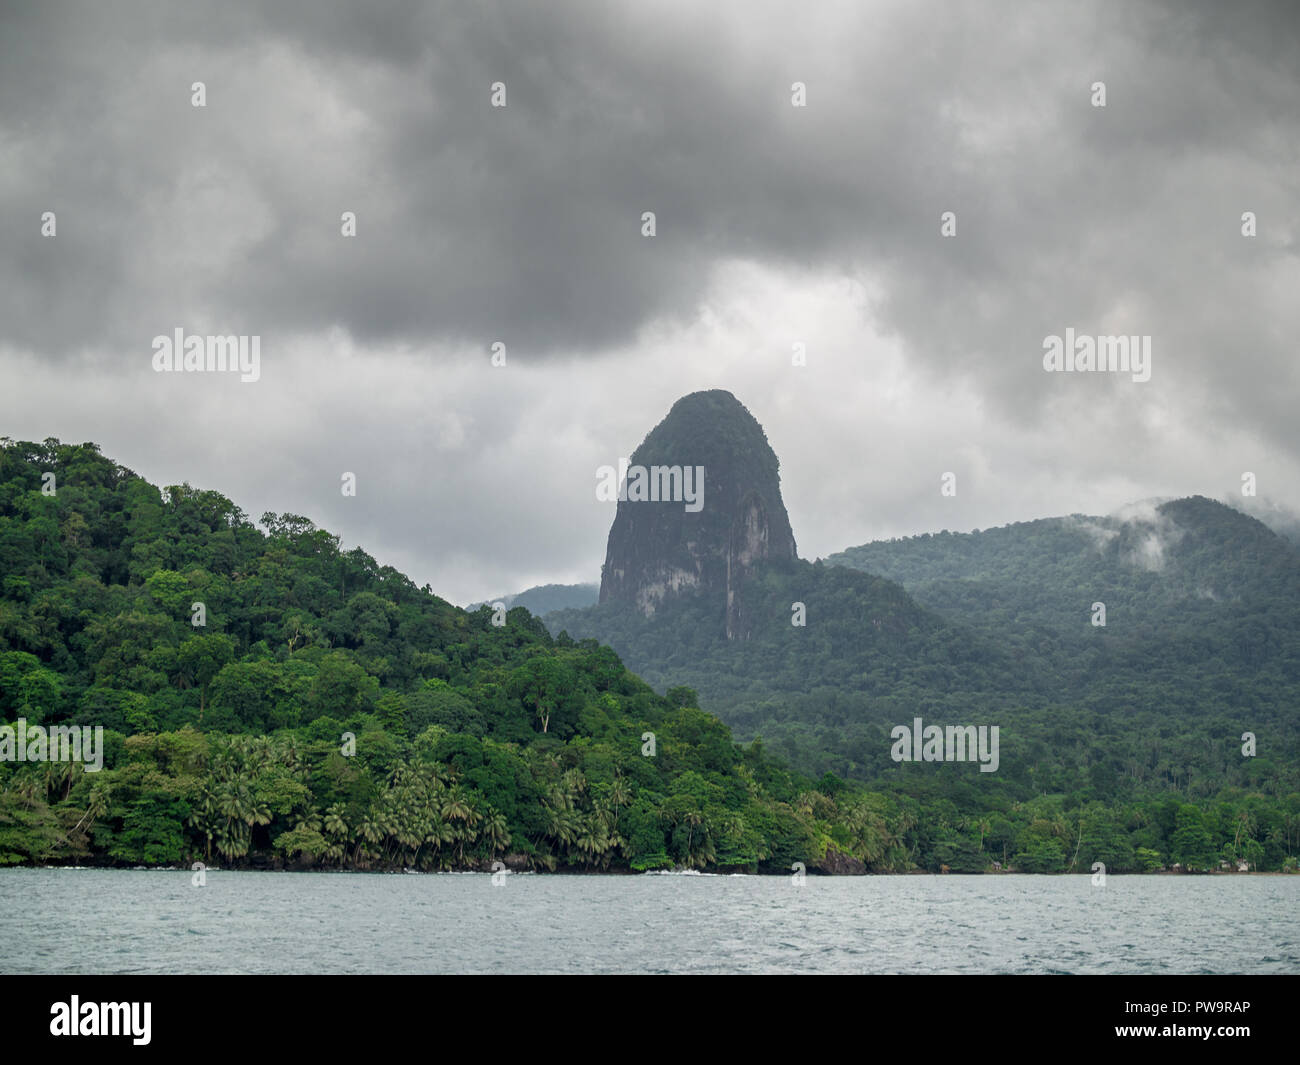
272 700
1152 703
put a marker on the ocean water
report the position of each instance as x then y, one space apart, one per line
75 921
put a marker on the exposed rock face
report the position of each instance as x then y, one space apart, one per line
661 549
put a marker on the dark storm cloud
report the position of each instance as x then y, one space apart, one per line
522 224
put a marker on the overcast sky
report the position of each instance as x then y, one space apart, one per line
775 225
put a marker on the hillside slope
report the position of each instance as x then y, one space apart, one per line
324 711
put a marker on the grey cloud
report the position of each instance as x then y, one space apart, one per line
523 225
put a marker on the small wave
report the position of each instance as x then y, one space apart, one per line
677 872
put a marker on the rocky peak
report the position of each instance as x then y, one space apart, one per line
660 547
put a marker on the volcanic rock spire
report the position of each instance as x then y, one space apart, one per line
661 546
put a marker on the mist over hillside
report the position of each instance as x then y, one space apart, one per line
545 598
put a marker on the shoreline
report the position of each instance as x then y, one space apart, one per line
724 873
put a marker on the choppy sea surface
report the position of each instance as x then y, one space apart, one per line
123 921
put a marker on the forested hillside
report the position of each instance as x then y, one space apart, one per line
1189 573
328 713
1201 645
1201 606
229 741
824 692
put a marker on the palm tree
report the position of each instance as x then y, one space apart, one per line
53 776
1245 823
70 775
265 751
28 787
496 832
700 850
205 817
560 799
562 825
692 819
456 807
369 831
336 825
592 840
292 757
869 831
620 794
437 833
95 807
